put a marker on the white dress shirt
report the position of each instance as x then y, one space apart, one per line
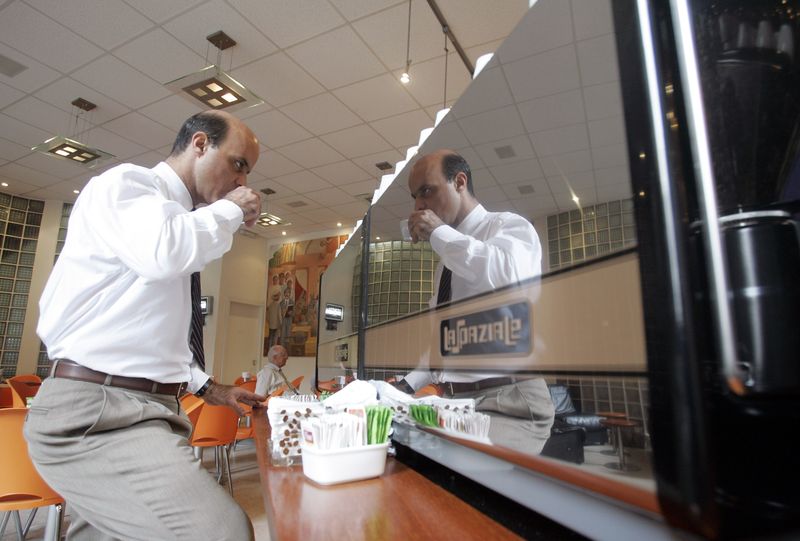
118 299
486 251
268 380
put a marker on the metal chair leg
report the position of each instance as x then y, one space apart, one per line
4 521
227 461
55 520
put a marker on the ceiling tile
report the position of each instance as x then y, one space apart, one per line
427 79
560 140
192 28
386 34
548 25
540 189
613 176
275 129
552 111
489 90
598 60
302 182
592 18
492 125
447 134
56 167
607 131
311 153
337 58
330 197
496 18
367 163
11 151
377 98
8 95
483 179
140 129
107 23
146 53
610 192
278 80
17 172
356 9
517 172
321 114
571 162
364 186
112 143
610 156
287 23
490 195
402 131
354 211
149 159
576 182
520 145
273 164
24 28
44 116
287 204
341 173
15 187
603 100
158 10
20 132
62 92
556 71
356 141
171 112
34 76
116 79
473 158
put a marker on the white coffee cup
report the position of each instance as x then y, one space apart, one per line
404 231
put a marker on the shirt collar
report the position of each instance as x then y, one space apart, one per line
471 221
177 189
274 366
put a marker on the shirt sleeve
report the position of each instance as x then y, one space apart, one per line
198 379
262 382
511 253
154 236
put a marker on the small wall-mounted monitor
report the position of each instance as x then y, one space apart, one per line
206 305
334 312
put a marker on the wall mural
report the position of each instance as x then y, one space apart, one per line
293 293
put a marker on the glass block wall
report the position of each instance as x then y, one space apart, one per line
20 220
400 279
43 361
595 230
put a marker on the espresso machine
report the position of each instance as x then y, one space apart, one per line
718 221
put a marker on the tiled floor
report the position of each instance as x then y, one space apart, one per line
246 491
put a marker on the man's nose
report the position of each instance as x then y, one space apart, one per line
419 204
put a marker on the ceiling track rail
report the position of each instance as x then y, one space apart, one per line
447 30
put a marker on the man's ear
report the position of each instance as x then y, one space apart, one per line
199 143
460 181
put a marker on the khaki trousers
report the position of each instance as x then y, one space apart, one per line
522 414
122 462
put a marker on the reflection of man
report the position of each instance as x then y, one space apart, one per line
479 251
274 317
105 429
270 378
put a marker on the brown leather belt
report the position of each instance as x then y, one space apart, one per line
451 388
67 369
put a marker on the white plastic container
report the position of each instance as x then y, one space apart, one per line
333 466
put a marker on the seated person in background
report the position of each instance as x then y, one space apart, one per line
479 251
270 378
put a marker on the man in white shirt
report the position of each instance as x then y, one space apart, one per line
106 430
270 378
274 317
479 251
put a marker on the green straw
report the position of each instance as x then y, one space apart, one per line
379 420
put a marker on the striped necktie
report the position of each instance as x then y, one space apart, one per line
444 286
196 328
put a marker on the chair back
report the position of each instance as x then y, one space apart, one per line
216 425
6 398
297 381
250 385
23 387
21 487
192 406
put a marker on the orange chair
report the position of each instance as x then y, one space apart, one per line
216 427
245 430
6 398
22 388
250 385
20 484
192 406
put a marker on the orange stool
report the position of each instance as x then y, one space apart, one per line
617 424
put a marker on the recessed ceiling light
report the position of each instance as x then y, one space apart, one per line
4 184
76 191
283 233
338 224
377 238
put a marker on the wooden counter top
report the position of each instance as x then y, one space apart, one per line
401 504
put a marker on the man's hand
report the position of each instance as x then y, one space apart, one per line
249 201
421 224
230 395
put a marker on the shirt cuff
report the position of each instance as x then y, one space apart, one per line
228 211
198 379
441 236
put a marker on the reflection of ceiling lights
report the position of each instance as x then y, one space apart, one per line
214 88
71 149
266 219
